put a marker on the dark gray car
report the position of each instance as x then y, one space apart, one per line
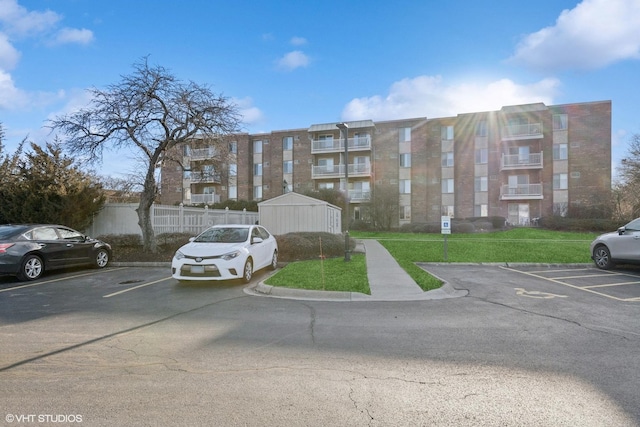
28 250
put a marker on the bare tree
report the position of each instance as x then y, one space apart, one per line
630 176
151 111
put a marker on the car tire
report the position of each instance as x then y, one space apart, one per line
101 259
247 271
602 258
274 261
31 268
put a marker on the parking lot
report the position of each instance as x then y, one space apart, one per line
132 346
621 284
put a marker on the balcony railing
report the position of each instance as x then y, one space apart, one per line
521 192
528 131
204 198
202 153
518 161
359 196
337 171
203 177
359 143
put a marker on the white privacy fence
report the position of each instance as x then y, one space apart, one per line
122 218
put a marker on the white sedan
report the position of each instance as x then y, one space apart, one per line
225 252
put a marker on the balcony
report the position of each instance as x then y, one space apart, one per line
204 177
197 199
528 131
360 143
521 192
203 153
337 171
357 196
518 161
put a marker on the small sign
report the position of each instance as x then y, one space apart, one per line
446 225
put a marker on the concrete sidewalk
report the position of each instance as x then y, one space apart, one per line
387 282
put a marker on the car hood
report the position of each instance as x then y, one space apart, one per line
606 235
202 249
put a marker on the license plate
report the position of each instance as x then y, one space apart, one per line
197 269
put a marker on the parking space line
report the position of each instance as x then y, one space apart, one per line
45 282
587 275
136 287
569 285
612 284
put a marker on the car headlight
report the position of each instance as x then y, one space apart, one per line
178 255
230 255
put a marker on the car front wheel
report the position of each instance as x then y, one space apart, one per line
602 258
31 269
274 261
248 271
102 258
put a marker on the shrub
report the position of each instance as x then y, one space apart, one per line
122 240
462 227
306 245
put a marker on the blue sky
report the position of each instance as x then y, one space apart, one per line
290 64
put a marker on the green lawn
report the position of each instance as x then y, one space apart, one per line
528 245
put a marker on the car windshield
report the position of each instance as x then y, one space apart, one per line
223 235
633 225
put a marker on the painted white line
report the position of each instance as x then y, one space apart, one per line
564 284
136 287
612 284
60 279
586 276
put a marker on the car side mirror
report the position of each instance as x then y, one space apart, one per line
621 230
191 239
256 240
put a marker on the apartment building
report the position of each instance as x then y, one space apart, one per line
520 162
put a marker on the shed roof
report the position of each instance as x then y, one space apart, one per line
295 199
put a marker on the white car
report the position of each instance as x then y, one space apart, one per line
225 252
620 247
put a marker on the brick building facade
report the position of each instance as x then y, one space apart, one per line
520 162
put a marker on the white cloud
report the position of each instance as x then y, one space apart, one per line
593 34
430 96
9 56
298 41
250 113
10 96
18 21
293 60
73 35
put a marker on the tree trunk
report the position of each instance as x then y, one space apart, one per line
144 213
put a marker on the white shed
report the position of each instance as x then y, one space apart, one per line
292 212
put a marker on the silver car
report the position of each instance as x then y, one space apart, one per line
619 247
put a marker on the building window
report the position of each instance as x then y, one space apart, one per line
560 181
482 156
481 183
560 209
446 133
287 167
447 159
287 143
560 152
325 185
404 135
233 147
257 169
447 185
186 151
405 186
480 210
405 212
257 192
405 160
447 210
233 192
257 147
560 122
481 128
233 169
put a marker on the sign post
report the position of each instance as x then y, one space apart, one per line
445 230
